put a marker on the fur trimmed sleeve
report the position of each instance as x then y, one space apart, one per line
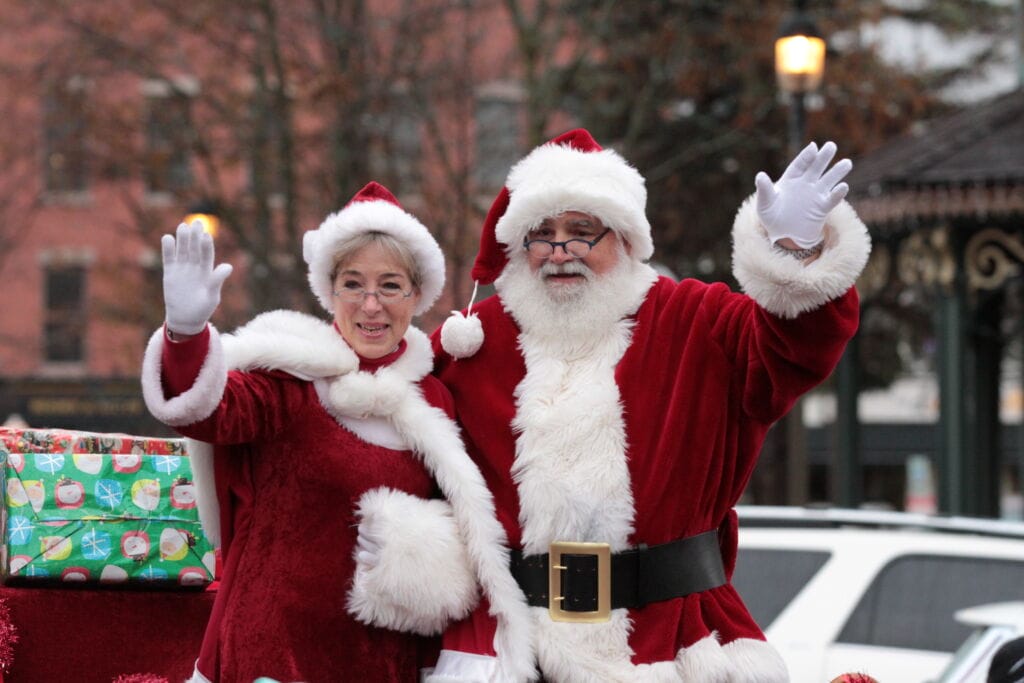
198 401
784 286
412 569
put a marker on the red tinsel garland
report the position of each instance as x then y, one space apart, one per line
140 678
8 637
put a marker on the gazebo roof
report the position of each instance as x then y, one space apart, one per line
969 163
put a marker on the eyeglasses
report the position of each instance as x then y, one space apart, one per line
576 247
388 293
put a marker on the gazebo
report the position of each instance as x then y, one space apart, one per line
945 207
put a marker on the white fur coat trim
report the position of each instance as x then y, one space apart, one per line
570 464
200 400
783 285
410 538
742 661
436 438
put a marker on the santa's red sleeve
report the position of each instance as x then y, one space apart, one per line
792 327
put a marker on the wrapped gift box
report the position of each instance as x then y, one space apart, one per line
100 508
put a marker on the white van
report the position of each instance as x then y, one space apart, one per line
838 591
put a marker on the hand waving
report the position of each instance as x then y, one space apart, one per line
796 206
191 283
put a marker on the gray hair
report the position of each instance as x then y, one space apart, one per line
391 246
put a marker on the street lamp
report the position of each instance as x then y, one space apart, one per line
204 211
799 66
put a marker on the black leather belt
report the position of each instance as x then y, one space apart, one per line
632 578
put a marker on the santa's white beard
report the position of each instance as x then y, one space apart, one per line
577 310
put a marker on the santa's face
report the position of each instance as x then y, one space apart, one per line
563 270
135 545
371 324
183 495
146 493
69 494
173 544
16 460
90 463
127 462
16 493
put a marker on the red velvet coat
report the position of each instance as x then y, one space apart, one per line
294 477
645 434
313 445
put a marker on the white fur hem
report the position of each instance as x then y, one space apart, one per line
742 661
207 503
202 397
422 578
197 676
784 286
464 667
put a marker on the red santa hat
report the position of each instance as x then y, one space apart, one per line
372 209
569 173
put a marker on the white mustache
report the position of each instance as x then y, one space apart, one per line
567 268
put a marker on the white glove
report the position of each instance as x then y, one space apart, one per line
796 206
191 283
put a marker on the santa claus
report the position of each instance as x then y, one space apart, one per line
617 415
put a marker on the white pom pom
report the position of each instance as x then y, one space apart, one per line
361 394
462 336
390 391
353 394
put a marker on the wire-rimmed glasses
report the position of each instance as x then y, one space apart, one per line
387 293
576 247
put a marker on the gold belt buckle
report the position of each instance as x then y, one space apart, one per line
604 581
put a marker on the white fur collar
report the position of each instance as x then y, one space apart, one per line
310 348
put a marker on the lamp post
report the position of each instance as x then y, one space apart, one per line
204 211
799 68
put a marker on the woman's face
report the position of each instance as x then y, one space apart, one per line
371 324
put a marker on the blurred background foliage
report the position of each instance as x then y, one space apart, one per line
309 99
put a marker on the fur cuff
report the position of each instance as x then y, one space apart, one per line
422 579
786 287
196 404
464 667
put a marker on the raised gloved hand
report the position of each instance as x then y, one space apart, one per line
796 205
191 283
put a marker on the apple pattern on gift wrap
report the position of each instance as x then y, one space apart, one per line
135 545
69 494
183 494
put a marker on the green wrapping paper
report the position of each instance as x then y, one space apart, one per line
100 508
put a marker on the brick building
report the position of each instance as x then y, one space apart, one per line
119 119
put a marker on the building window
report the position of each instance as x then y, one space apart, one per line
65 166
404 146
65 320
167 167
497 139
396 149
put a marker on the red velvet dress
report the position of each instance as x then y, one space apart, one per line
288 477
